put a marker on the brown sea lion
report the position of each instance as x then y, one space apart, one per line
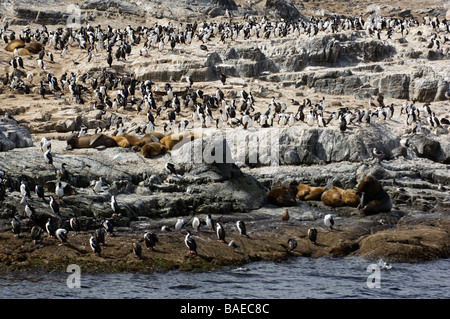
282 196
171 140
34 47
373 199
149 138
15 44
333 197
350 198
132 140
315 193
153 149
121 141
158 135
23 52
302 191
90 141
305 192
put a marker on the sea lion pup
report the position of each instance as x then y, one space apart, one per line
171 140
373 199
282 196
90 141
152 149
305 192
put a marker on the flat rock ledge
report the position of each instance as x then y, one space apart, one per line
386 236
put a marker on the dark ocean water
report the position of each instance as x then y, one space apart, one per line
299 278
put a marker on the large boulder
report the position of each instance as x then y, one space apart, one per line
13 135
284 9
424 146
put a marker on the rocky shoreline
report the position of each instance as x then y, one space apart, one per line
227 172
417 228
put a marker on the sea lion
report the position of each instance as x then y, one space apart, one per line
132 140
332 197
149 138
373 199
338 197
15 44
302 191
350 198
34 47
282 196
315 193
122 141
23 52
171 140
90 141
153 149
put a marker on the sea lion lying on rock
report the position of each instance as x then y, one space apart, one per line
171 140
374 199
338 197
121 141
305 192
152 149
151 137
282 196
127 140
90 141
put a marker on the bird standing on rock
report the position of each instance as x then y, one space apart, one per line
95 246
114 205
220 231
190 243
292 243
150 240
61 235
312 235
36 232
179 224
209 222
285 215
329 221
242 228
196 223
15 223
137 249
75 224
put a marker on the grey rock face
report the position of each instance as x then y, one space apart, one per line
284 9
395 86
13 135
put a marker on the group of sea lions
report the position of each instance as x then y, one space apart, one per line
150 145
369 198
23 48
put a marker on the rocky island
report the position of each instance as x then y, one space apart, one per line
142 114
